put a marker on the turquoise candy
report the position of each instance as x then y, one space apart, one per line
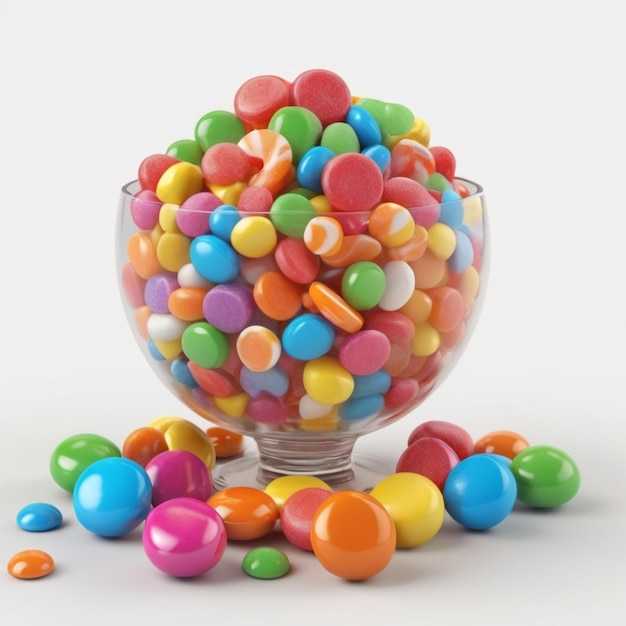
308 336
290 214
39 517
300 127
381 155
218 127
186 150
340 138
364 125
266 563
311 166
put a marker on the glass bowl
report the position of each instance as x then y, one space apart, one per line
302 348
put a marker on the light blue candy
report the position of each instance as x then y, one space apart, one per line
452 210
308 336
39 517
179 369
371 384
214 259
153 350
274 381
311 165
222 220
379 154
364 125
463 254
360 408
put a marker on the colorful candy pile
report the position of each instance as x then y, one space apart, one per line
161 477
306 263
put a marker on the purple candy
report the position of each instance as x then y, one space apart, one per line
158 289
229 307
193 216
178 474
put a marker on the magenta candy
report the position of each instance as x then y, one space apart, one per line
193 216
415 197
430 457
177 474
144 209
364 352
401 391
184 537
455 436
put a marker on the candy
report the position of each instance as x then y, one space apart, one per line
143 444
112 496
391 224
546 477
75 453
297 512
215 260
225 442
29 564
506 443
39 517
323 235
259 97
229 308
364 352
178 182
327 381
352 535
283 487
248 513
258 348
186 150
480 492
296 261
363 285
265 562
454 435
300 126
178 474
429 456
415 504
253 236
184 537
224 164
218 127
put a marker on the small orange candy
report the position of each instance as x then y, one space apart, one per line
248 513
29 564
225 442
352 535
504 442
143 444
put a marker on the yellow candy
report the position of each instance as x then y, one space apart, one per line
229 194
321 204
173 251
178 182
473 210
167 218
415 505
469 282
327 381
441 240
235 406
254 236
169 349
281 488
418 307
325 424
426 340
391 224
181 434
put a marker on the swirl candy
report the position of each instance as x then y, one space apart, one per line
305 262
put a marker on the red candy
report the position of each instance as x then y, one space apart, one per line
259 98
224 164
297 514
445 161
455 436
151 169
430 457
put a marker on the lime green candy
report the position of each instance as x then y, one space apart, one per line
265 562
393 119
290 213
363 285
75 454
186 150
340 138
546 477
299 126
218 127
205 345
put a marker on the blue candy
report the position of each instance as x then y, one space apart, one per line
311 165
222 220
379 154
274 381
179 369
308 336
463 254
452 209
39 517
480 491
364 125
371 384
360 408
214 259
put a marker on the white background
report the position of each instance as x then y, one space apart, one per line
529 96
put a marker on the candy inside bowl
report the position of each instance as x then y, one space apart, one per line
303 313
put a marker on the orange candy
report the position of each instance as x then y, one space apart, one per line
225 442
354 248
143 444
504 442
448 309
334 308
186 303
248 513
29 564
353 535
277 296
142 253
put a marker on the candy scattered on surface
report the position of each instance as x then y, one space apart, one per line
112 496
281 488
265 562
184 537
39 517
504 442
297 512
29 564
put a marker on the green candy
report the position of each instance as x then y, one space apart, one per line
340 138
75 454
393 119
186 150
437 182
266 563
299 126
546 477
205 345
218 127
290 213
363 285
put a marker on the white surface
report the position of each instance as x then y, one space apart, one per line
529 97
